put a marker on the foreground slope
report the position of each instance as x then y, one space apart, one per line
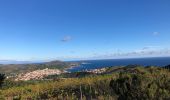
133 83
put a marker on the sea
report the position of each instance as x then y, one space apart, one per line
95 64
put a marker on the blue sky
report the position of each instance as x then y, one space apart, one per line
83 29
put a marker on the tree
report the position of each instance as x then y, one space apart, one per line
2 78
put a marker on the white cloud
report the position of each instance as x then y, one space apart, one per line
149 51
66 39
155 33
150 47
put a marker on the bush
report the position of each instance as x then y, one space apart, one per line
142 86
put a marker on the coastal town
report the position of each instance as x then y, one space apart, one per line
97 71
40 74
37 74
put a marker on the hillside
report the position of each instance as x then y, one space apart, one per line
116 83
13 69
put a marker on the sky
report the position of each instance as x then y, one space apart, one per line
32 30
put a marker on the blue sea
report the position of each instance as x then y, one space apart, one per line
93 64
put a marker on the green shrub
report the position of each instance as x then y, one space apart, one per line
148 86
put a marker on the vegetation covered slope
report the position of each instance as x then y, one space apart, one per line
14 69
137 83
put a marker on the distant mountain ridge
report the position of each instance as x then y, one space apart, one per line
5 62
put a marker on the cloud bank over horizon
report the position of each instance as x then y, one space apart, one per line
148 51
